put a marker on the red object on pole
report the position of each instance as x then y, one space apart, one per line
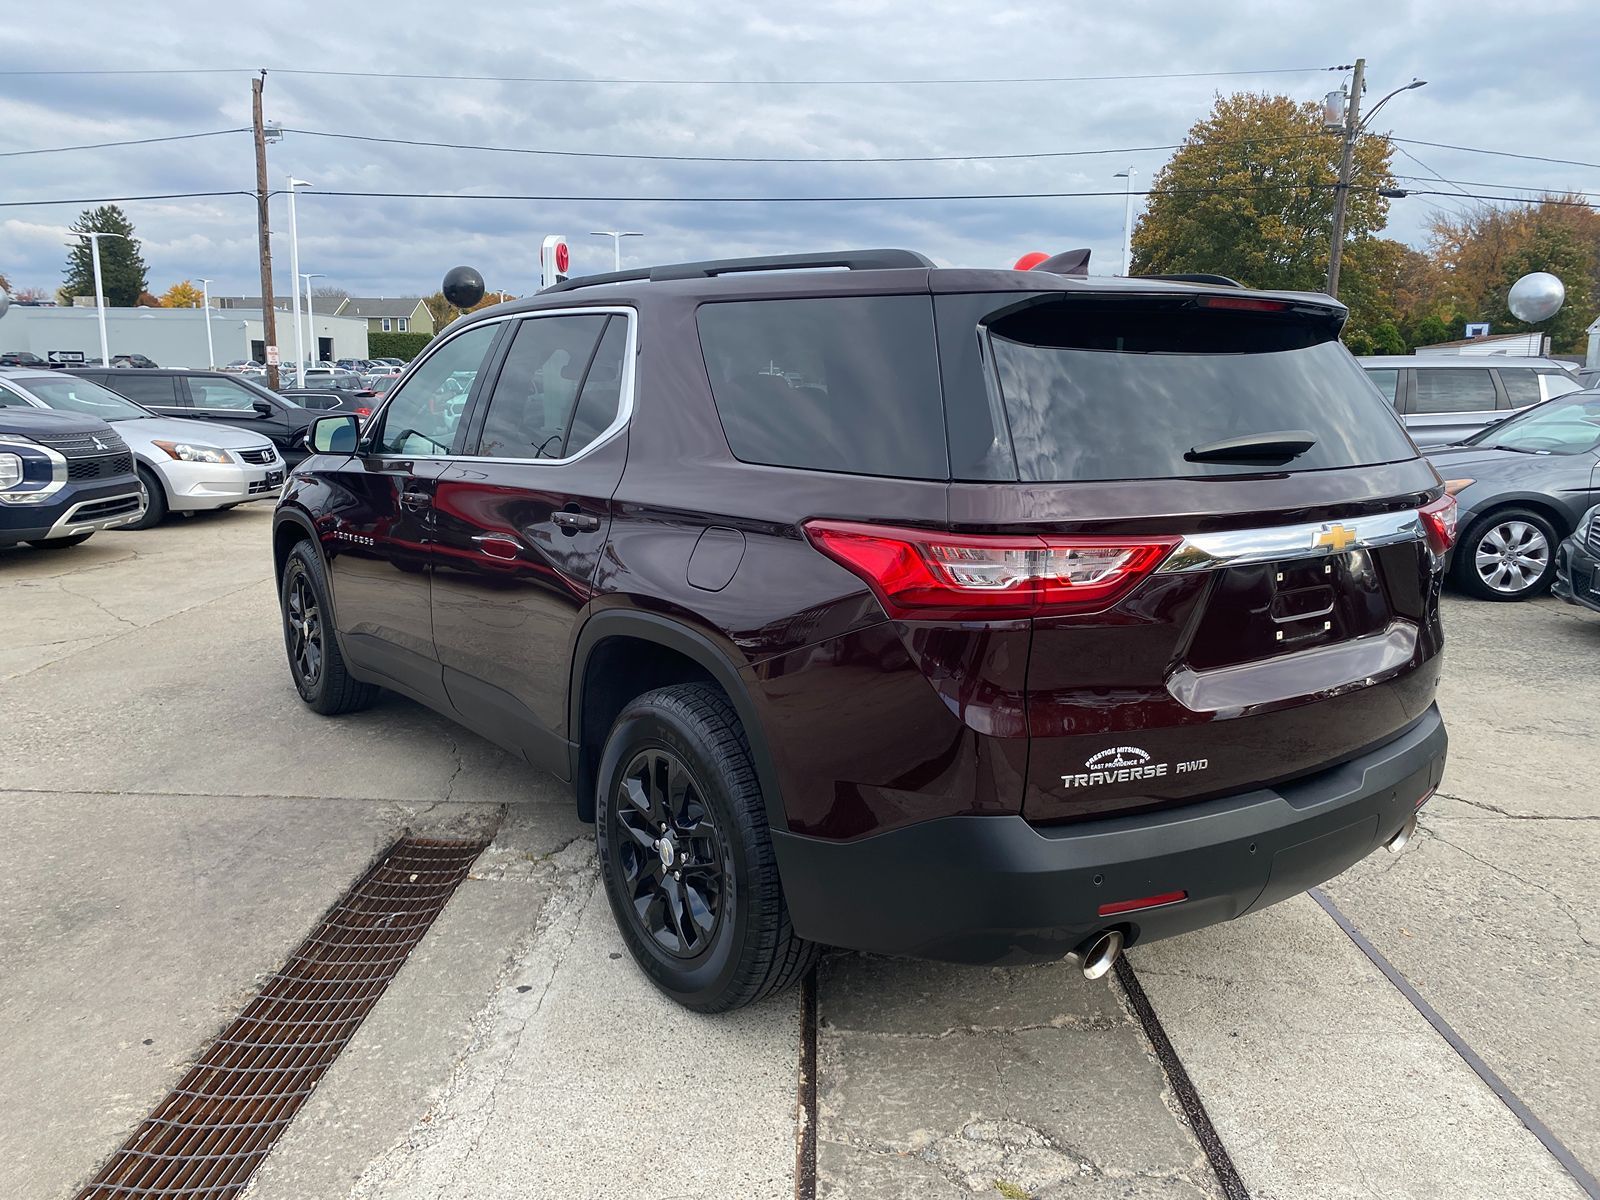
561 257
1030 260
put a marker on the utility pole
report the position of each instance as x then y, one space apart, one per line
1341 196
269 314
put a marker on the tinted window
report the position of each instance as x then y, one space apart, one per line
424 415
602 388
538 387
156 391
221 394
837 384
1119 393
1384 379
1453 389
1521 386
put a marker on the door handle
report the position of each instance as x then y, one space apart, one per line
573 523
415 501
498 545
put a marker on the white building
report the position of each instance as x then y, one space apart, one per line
176 337
1519 345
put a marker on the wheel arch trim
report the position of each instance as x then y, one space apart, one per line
703 652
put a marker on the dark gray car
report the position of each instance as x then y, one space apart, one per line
1522 485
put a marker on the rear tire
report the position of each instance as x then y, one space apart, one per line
154 499
704 915
1507 555
61 543
315 664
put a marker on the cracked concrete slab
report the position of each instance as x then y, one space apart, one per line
582 1079
941 1081
1321 1078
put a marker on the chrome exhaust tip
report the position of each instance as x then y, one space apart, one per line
1099 954
1402 839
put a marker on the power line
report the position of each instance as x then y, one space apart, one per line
1566 162
175 137
119 199
1459 184
1509 199
613 80
721 158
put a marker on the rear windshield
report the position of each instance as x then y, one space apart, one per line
1127 394
844 383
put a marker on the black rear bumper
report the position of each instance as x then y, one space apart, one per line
995 889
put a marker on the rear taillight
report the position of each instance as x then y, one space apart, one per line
932 575
1439 520
363 412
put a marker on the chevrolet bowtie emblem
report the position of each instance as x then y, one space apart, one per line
1334 537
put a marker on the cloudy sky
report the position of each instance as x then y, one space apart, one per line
1516 77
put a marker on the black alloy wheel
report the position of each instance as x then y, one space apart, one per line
685 853
669 853
315 663
303 626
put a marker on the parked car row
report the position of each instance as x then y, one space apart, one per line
150 463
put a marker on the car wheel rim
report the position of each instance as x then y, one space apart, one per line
304 623
669 854
144 496
1512 556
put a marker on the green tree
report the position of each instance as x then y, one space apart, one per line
1251 192
121 265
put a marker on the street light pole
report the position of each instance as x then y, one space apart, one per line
99 290
211 352
294 284
311 328
1127 219
1353 127
616 236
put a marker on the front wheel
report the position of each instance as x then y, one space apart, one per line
1508 555
152 500
685 854
315 663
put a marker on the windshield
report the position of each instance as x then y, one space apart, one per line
1569 425
69 394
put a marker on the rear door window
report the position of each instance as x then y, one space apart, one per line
1453 390
153 391
842 383
222 395
1522 386
1126 391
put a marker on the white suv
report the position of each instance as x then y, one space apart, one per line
1445 398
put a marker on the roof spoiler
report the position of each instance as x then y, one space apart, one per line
1199 277
851 260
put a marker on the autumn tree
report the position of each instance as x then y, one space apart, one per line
1250 194
183 294
443 312
5 284
121 264
1482 253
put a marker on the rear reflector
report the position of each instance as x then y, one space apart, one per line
1439 520
936 575
1426 796
1128 906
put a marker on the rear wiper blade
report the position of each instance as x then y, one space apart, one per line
1277 447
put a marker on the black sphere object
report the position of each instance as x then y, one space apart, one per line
463 287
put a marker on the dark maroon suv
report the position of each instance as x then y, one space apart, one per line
987 616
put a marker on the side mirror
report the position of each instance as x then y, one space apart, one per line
261 407
335 435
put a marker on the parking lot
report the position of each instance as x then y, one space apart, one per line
177 821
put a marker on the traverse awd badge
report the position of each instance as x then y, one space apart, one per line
1124 764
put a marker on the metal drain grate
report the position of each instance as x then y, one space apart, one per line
210 1134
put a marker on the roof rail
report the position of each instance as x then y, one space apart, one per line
854 260
1201 277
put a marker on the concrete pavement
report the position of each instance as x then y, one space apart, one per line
177 821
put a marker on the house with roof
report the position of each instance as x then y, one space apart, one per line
389 314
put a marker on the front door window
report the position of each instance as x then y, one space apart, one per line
425 413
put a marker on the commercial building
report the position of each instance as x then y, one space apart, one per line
176 337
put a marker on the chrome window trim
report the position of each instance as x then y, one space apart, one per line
1239 547
618 423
